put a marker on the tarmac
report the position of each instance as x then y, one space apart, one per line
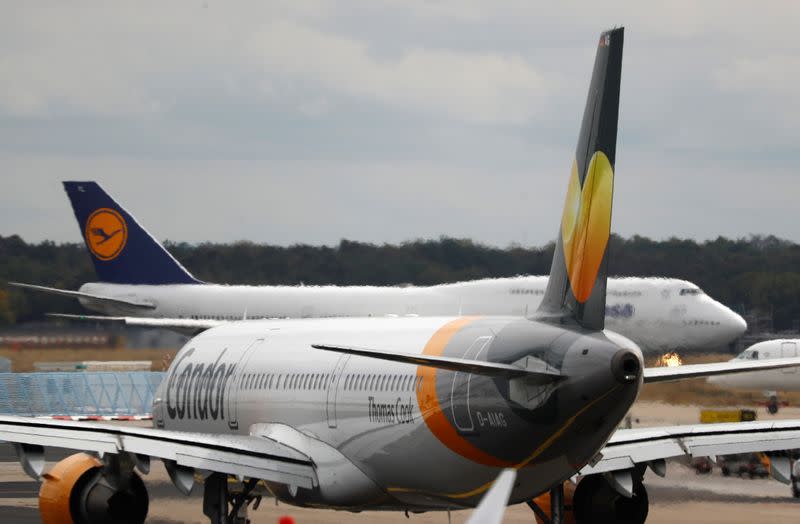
683 496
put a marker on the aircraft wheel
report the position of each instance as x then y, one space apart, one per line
596 501
772 405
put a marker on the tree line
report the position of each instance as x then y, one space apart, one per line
757 273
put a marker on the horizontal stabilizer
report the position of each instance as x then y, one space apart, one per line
139 304
480 367
188 326
664 374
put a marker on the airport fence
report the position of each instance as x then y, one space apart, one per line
100 394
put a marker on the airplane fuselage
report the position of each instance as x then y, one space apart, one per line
774 380
405 431
660 315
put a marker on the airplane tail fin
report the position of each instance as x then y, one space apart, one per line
576 290
123 252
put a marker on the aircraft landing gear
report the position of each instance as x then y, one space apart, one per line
772 404
556 507
223 507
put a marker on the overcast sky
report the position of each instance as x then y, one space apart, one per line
308 122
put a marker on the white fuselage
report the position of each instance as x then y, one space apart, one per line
775 380
403 436
661 315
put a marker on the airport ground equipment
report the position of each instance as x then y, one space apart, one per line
715 416
87 394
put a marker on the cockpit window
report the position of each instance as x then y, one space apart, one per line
691 291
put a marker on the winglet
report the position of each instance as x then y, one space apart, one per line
492 506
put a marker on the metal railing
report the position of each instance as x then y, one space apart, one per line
79 394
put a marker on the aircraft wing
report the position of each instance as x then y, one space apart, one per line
629 448
667 373
138 304
240 455
189 326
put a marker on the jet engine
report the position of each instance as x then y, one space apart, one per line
594 499
81 490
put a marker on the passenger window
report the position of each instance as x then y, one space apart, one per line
347 383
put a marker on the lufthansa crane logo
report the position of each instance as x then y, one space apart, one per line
106 233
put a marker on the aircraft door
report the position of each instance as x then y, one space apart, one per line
789 350
333 390
237 381
459 392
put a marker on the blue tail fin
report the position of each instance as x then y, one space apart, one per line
122 251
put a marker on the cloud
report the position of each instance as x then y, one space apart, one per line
475 87
392 119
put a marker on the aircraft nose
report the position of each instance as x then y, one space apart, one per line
733 324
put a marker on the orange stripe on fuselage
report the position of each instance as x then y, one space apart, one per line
431 409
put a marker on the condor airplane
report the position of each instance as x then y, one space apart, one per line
411 414
142 279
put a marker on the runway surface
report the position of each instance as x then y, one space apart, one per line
683 496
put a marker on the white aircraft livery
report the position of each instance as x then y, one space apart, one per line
411 414
771 382
141 278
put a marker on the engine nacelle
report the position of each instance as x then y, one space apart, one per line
77 491
593 499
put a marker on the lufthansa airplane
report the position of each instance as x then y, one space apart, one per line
771 382
411 414
140 278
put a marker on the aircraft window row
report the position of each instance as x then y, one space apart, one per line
306 381
689 291
216 317
369 382
700 323
523 291
320 381
624 293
